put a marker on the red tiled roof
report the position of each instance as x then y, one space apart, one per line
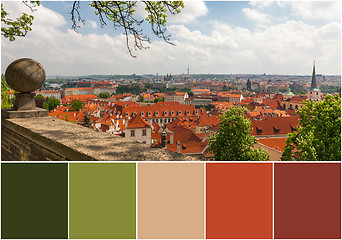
275 143
137 122
274 125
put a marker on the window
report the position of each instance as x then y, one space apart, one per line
156 113
179 112
132 133
172 112
259 130
144 132
142 114
187 112
149 113
276 130
165 113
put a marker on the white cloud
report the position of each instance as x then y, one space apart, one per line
92 24
287 48
191 11
257 16
324 10
261 4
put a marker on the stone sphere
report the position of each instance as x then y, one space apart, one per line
25 75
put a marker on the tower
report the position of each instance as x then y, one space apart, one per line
314 93
313 79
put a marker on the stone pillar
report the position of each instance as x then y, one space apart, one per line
25 76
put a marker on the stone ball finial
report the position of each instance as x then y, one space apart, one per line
25 75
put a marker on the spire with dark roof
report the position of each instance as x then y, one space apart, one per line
313 80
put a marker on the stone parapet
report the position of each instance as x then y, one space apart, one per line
46 138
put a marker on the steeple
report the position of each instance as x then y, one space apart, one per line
313 80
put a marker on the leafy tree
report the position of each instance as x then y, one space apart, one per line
45 105
39 96
20 26
158 100
39 99
318 135
234 142
141 99
119 13
6 101
86 120
104 95
77 105
190 93
51 103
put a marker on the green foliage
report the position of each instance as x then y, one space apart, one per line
39 96
51 103
20 26
234 142
6 101
125 89
158 100
121 15
86 120
318 135
104 95
76 105
45 105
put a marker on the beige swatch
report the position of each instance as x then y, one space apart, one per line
171 200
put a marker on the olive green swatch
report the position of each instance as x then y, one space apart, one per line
34 200
102 201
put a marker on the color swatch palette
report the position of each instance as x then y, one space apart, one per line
188 200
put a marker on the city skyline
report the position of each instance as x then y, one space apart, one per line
211 37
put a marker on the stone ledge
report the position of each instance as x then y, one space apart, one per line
74 142
39 112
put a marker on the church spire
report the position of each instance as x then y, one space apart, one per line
313 80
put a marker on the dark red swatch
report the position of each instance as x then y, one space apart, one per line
239 200
307 200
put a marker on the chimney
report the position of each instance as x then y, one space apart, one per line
178 147
172 138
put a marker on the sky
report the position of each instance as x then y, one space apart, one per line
212 37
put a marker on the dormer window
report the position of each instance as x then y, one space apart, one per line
134 114
187 112
149 113
156 113
179 112
172 113
142 114
276 130
259 130
127 114
165 113
196 112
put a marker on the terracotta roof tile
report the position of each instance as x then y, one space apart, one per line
137 122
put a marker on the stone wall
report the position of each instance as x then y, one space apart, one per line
46 138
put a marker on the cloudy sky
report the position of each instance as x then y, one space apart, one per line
273 37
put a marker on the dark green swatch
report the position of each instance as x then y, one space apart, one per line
34 200
102 201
